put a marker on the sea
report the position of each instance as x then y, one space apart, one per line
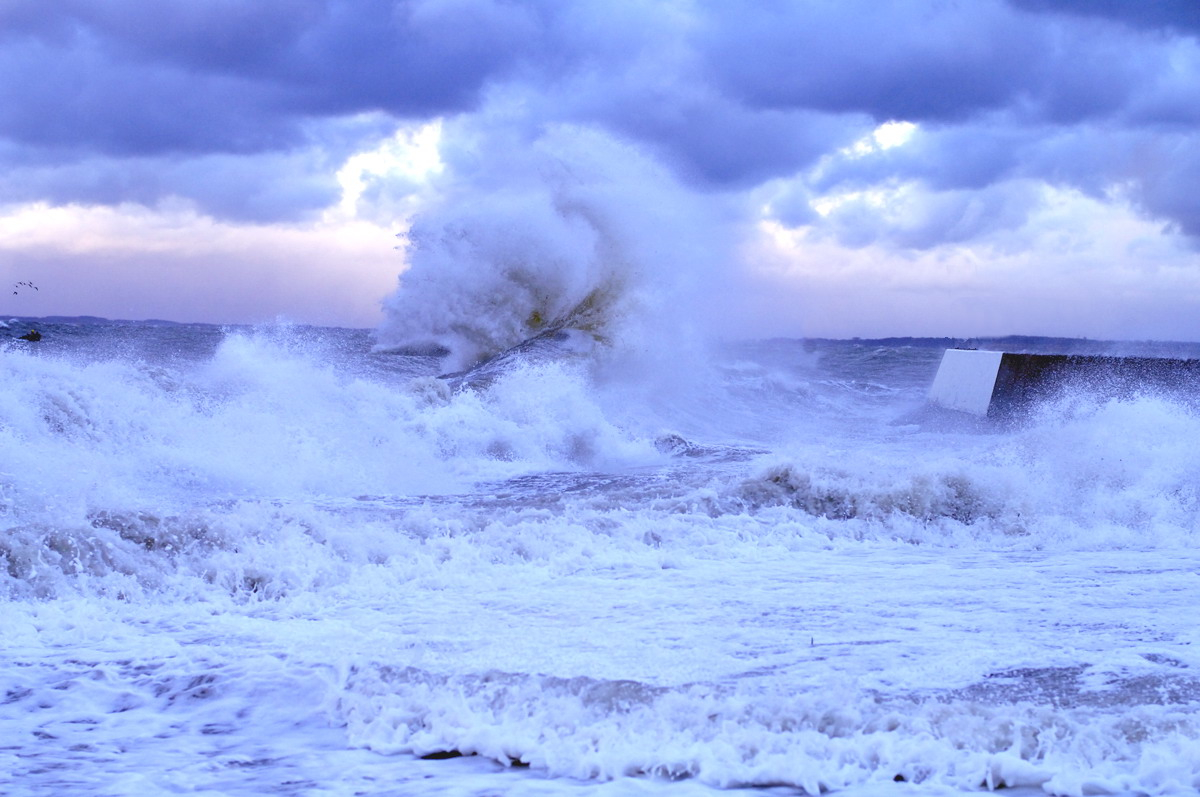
287 560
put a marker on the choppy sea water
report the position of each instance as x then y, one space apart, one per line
273 561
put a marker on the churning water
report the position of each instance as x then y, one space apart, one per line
278 561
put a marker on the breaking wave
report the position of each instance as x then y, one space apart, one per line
275 540
577 231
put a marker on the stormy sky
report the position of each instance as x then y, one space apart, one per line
874 167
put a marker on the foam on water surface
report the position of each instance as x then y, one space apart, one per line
275 562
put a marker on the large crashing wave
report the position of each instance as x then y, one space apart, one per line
575 230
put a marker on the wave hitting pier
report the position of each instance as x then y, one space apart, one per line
1002 385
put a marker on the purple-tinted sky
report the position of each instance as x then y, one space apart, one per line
875 167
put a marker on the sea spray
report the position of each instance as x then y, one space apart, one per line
570 230
121 471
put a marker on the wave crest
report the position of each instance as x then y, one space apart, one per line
574 231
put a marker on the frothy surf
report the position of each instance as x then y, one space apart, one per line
279 561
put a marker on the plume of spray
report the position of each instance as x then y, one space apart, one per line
566 230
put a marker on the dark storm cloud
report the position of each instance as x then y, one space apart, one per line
1076 99
718 142
1156 171
890 60
119 76
938 63
123 100
77 100
1182 15
267 188
169 82
1002 93
275 185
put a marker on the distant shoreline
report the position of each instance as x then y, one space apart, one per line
1032 344
93 320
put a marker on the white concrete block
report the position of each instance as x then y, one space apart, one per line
965 380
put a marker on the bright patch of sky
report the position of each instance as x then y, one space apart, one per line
884 137
411 155
173 263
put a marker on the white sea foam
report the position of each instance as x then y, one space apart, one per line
283 564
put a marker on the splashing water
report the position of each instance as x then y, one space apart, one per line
577 231
276 561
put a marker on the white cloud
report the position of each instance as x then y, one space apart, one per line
411 156
1078 266
884 137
